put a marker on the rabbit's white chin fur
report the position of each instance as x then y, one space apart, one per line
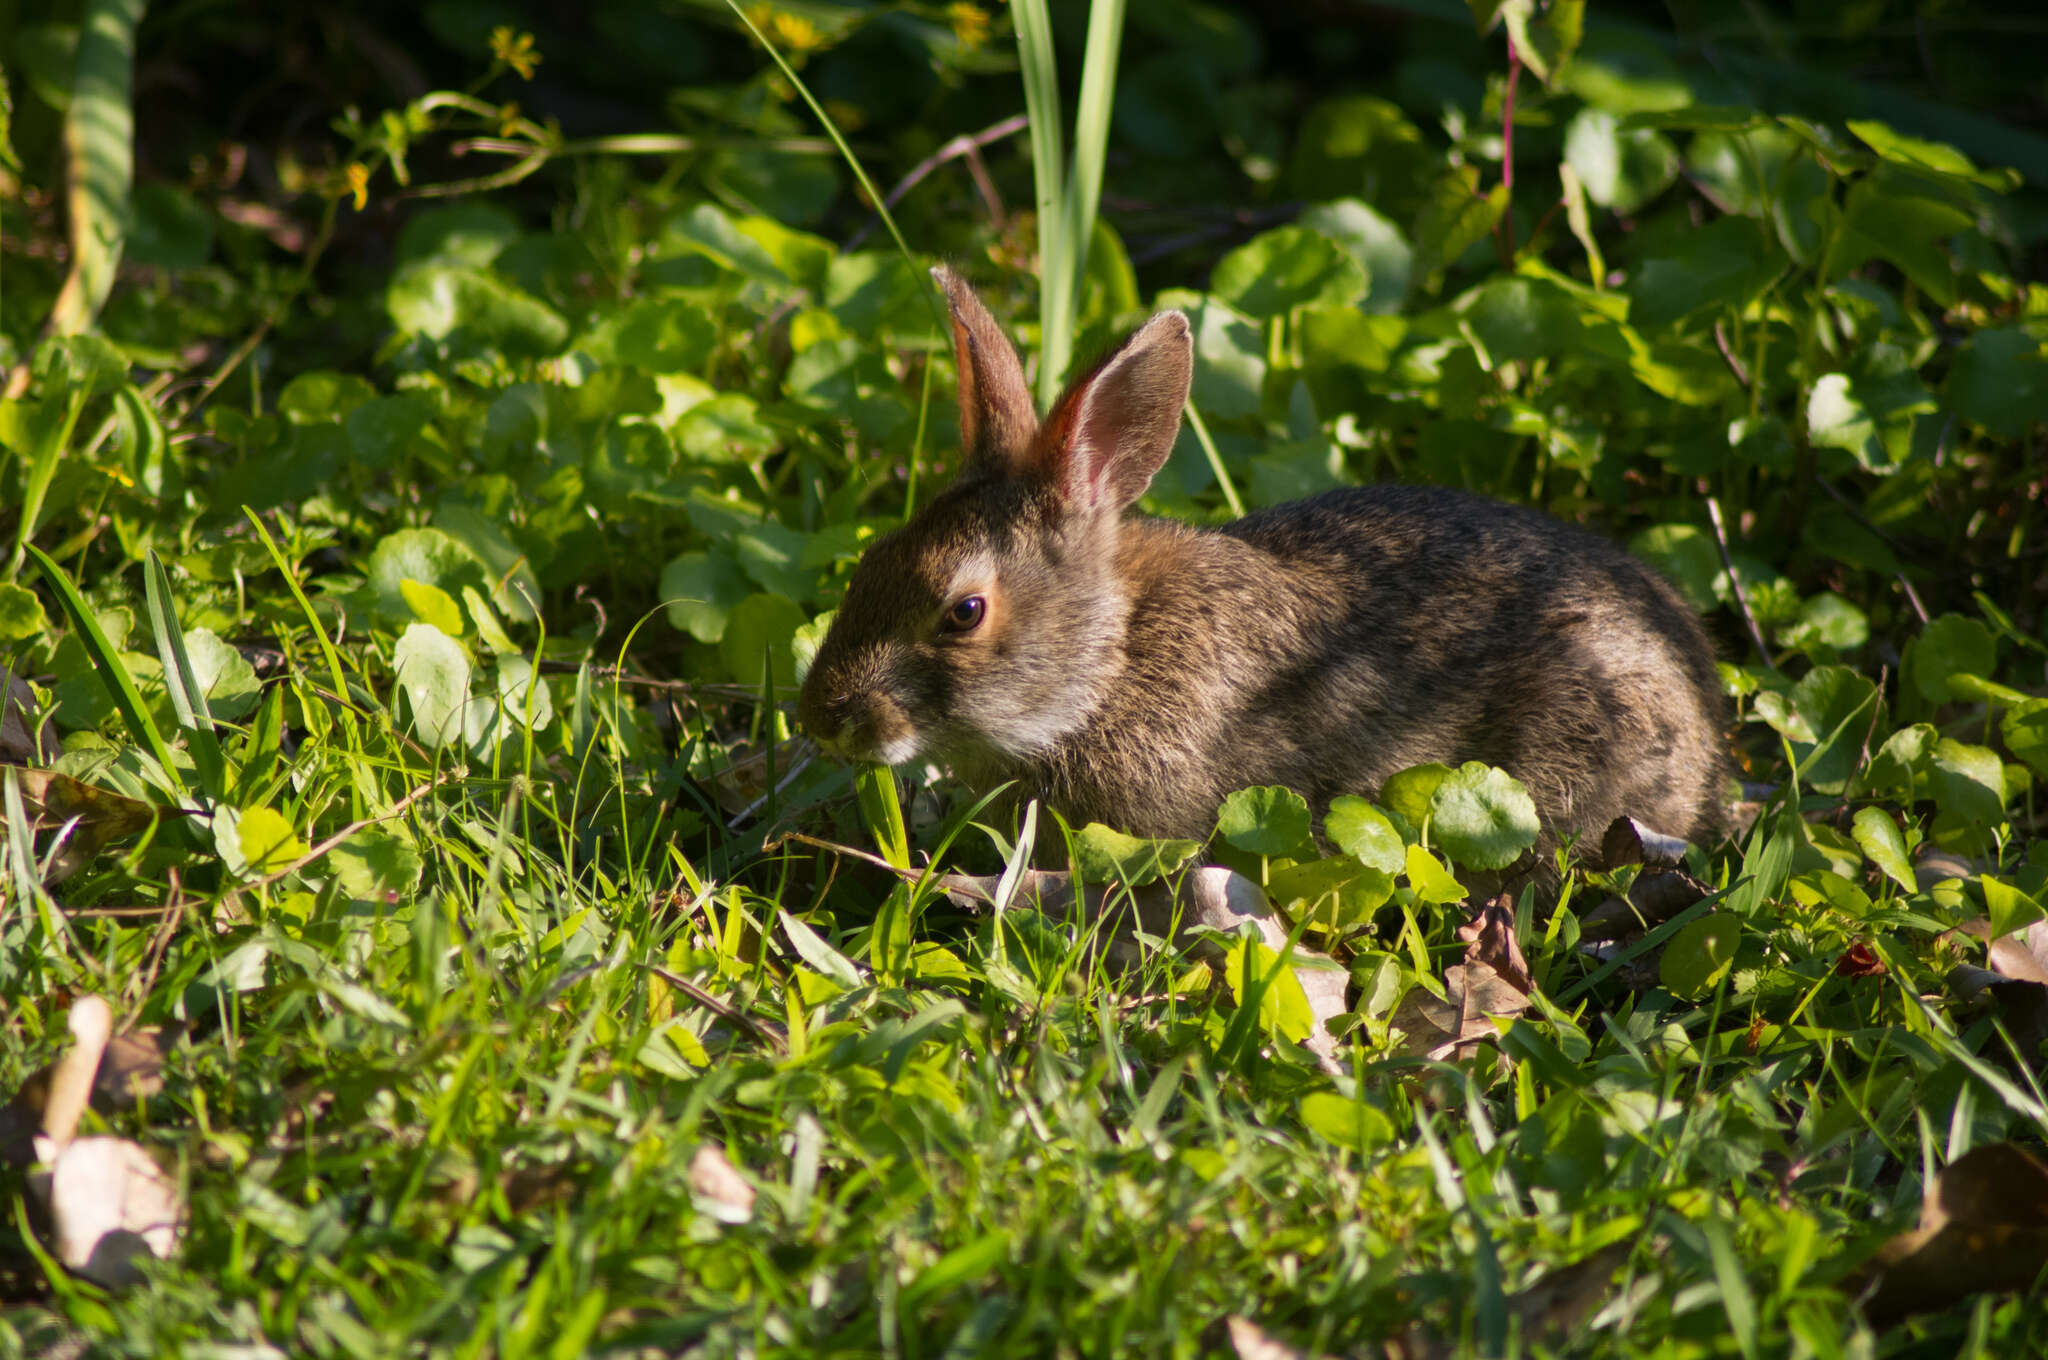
899 750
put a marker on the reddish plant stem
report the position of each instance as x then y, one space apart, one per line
1505 232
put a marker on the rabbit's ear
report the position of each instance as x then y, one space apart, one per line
1113 428
997 417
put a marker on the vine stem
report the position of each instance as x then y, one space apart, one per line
1504 234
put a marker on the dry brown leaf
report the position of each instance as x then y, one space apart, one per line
108 1200
746 781
130 1069
1983 1226
111 1205
1491 983
2015 982
91 817
1932 865
17 745
1250 1342
1548 1310
720 1189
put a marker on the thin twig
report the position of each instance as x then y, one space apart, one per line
1912 596
338 837
851 852
967 145
1504 230
1735 582
805 756
1729 356
160 943
719 1008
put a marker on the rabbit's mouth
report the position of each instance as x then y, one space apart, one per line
871 728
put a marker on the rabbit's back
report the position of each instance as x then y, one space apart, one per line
1329 643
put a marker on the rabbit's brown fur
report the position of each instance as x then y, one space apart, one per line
1136 671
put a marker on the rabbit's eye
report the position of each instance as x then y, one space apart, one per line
965 616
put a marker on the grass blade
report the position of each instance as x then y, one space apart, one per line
188 696
120 685
99 152
1042 103
291 582
1091 144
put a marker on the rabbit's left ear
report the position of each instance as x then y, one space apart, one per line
1113 428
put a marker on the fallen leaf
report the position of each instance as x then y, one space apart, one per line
2014 982
17 745
1492 983
1251 1342
721 1190
1859 961
88 817
111 1205
1983 1227
109 1202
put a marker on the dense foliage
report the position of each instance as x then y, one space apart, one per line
419 497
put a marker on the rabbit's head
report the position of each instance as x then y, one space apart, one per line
988 627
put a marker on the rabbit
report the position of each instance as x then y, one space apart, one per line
1022 627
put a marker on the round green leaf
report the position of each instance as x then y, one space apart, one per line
435 300
1285 268
428 556
1430 879
1106 855
1264 820
700 590
434 673
2024 729
21 613
1380 248
1347 1123
1515 318
1407 794
1362 831
267 840
1482 816
1699 955
321 395
528 703
759 633
1969 782
1880 838
432 605
726 429
1622 168
666 335
1950 645
225 676
373 865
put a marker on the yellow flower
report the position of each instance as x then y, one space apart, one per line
792 33
359 183
516 50
970 23
508 119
